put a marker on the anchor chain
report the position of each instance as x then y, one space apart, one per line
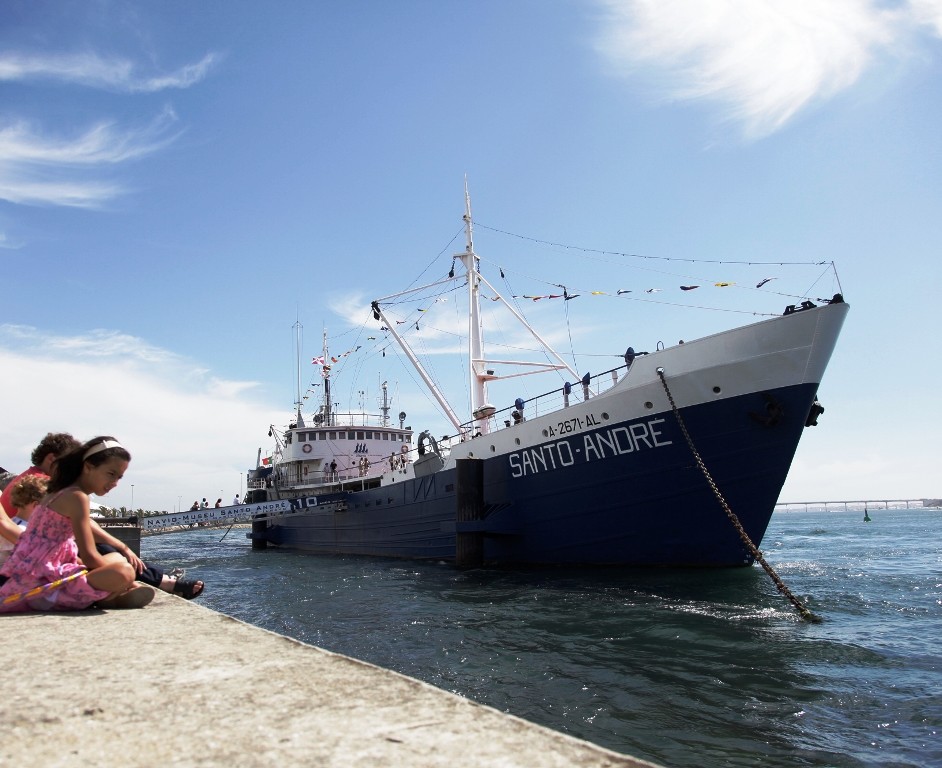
803 610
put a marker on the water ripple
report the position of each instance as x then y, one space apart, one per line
686 668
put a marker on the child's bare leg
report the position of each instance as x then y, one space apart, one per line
115 576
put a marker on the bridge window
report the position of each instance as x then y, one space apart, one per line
302 436
321 435
360 436
385 435
333 435
341 435
369 436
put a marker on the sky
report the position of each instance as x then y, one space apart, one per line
185 185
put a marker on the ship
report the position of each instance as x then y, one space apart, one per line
675 457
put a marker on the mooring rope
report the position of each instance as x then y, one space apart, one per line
228 529
36 591
803 610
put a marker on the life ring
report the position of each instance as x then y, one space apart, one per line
405 449
306 447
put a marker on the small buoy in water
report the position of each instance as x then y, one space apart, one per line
866 516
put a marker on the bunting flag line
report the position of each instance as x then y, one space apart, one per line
566 296
321 360
621 291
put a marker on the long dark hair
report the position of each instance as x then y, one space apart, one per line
68 468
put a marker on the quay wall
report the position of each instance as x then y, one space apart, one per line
175 684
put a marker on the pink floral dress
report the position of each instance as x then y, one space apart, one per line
47 552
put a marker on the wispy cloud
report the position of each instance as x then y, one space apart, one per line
38 169
95 71
763 60
191 433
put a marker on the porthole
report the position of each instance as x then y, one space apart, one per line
605 416
717 390
649 405
517 440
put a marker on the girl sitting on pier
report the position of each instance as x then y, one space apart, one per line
55 565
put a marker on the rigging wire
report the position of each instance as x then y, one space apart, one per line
640 256
437 256
415 306
572 349
830 267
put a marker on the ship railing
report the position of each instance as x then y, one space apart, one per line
358 419
553 400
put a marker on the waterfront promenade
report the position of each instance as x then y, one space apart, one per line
176 684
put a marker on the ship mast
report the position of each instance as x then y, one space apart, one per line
298 330
328 416
384 409
471 264
478 365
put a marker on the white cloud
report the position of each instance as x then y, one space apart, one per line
38 169
928 13
763 60
190 434
92 70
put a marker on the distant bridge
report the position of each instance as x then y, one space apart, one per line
862 503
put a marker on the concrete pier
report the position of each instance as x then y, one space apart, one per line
175 684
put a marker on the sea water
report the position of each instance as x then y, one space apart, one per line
680 667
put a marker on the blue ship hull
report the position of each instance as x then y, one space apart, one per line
603 500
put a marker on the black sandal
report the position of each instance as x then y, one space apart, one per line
188 588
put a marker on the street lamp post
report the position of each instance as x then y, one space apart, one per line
132 497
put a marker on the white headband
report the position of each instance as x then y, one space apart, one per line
104 445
